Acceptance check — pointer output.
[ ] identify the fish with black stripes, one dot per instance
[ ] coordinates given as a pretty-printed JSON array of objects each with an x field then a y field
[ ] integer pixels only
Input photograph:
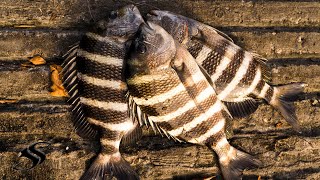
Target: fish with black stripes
[
  {"x": 239, "y": 77},
  {"x": 93, "y": 75},
  {"x": 168, "y": 86}
]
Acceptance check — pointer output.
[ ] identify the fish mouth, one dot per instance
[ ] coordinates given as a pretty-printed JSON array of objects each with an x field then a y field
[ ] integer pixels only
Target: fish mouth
[{"x": 147, "y": 28}]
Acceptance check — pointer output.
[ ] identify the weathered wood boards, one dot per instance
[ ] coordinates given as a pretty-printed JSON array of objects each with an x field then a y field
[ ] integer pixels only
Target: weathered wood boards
[{"x": 285, "y": 32}]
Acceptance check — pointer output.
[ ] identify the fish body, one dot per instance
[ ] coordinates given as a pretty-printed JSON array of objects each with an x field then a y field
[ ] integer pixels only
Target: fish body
[
  {"x": 93, "y": 74},
  {"x": 166, "y": 83},
  {"x": 238, "y": 76}
]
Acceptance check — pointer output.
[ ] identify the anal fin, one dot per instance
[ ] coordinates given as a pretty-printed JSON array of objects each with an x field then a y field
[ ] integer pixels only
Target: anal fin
[
  {"x": 242, "y": 108},
  {"x": 70, "y": 82}
]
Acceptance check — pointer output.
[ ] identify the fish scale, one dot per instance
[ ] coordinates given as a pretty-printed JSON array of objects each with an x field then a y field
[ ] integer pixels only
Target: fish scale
[{"x": 93, "y": 75}]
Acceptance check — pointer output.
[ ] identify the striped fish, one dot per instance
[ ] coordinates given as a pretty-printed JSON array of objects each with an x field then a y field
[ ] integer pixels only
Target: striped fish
[
  {"x": 93, "y": 75},
  {"x": 166, "y": 83},
  {"x": 238, "y": 76}
]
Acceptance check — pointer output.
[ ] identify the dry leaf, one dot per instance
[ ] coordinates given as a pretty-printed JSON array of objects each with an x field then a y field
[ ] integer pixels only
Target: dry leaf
[
  {"x": 57, "y": 88},
  {"x": 37, "y": 60},
  {"x": 259, "y": 178}
]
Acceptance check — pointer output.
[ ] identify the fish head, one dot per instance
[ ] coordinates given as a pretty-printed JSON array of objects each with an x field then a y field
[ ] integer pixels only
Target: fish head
[
  {"x": 152, "y": 50},
  {"x": 174, "y": 24},
  {"x": 122, "y": 23}
]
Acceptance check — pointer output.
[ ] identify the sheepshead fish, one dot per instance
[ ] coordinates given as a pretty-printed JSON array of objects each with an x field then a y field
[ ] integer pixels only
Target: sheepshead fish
[
  {"x": 93, "y": 75},
  {"x": 238, "y": 76},
  {"x": 166, "y": 83}
]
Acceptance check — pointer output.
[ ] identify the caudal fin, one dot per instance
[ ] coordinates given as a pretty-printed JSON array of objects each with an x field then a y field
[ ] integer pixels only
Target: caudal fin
[
  {"x": 282, "y": 100},
  {"x": 107, "y": 167},
  {"x": 232, "y": 169}
]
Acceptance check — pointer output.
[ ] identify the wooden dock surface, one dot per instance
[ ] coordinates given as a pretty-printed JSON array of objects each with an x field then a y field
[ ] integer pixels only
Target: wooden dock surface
[{"x": 285, "y": 32}]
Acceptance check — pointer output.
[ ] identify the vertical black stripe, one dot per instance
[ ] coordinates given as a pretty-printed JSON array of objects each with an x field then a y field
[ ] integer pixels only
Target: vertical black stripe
[
  {"x": 205, "y": 126},
  {"x": 215, "y": 56},
  {"x": 194, "y": 47},
  {"x": 181, "y": 120},
  {"x": 101, "y": 93},
  {"x": 259, "y": 87},
  {"x": 152, "y": 88},
  {"x": 103, "y": 115},
  {"x": 250, "y": 74},
  {"x": 101, "y": 47},
  {"x": 98, "y": 70},
  {"x": 269, "y": 94},
  {"x": 233, "y": 67}
]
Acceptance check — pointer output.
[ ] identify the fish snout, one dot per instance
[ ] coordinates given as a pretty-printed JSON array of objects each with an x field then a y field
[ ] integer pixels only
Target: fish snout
[{"x": 147, "y": 28}]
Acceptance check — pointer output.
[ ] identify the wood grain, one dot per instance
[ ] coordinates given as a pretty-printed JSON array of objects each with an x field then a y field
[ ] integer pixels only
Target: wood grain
[{"x": 285, "y": 32}]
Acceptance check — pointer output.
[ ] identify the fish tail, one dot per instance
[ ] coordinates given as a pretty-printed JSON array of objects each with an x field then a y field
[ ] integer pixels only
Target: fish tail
[
  {"x": 232, "y": 166},
  {"x": 107, "y": 166},
  {"x": 282, "y": 99}
]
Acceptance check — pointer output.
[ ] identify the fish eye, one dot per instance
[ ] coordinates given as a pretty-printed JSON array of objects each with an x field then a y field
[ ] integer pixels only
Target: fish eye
[
  {"x": 141, "y": 48},
  {"x": 113, "y": 14}
]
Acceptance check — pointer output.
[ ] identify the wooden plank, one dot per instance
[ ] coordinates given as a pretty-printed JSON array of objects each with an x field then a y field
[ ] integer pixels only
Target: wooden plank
[
  {"x": 21, "y": 44},
  {"x": 79, "y": 13},
  {"x": 284, "y": 31},
  {"x": 19, "y": 83},
  {"x": 309, "y": 74},
  {"x": 156, "y": 158},
  {"x": 33, "y": 84},
  {"x": 277, "y": 146},
  {"x": 32, "y": 119}
]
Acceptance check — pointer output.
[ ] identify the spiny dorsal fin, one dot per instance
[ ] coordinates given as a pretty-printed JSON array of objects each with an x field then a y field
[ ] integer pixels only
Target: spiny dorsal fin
[
  {"x": 70, "y": 81},
  {"x": 242, "y": 108},
  {"x": 207, "y": 31},
  {"x": 265, "y": 68}
]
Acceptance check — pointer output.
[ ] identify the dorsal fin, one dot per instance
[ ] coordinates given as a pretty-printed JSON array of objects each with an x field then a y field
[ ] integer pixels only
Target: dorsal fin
[
  {"x": 265, "y": 69},
  {"x": 70, "y": 83}
]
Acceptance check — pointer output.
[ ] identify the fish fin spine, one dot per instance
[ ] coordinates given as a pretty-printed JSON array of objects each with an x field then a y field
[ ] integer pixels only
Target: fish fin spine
[
  {"x": 242, "y": 108},
  {"x": 70, "y": 82},
  {"x": 107, "y": 166}
]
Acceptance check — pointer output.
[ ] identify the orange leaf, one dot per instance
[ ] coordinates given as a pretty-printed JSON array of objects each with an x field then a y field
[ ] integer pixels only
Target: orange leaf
[
  {"x": 57, "y": 88},
  {"x": 37, "y": 60}
]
